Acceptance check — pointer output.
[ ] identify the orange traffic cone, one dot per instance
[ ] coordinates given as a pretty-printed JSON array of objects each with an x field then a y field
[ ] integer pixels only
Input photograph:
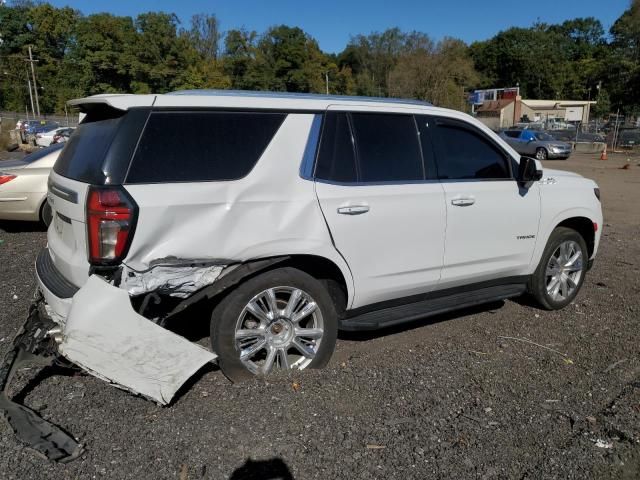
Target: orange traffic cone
[{"x": 603, "y": 155}]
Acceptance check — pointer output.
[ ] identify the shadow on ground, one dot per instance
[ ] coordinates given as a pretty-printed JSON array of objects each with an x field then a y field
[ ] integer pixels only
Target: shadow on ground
[
  {"x": 15, "y": 226},
  {"x": 272, "y": 469}
]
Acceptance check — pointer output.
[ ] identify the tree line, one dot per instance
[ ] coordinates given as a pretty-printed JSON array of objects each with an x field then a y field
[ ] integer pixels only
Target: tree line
[{"x": 79, "y": 55}]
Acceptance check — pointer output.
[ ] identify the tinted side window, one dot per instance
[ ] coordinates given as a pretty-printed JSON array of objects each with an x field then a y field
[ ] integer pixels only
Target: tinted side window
[
  {"x": 201, "y": 146},
  {"x": 465, "y": 154},
  {"x": 512, "y": 134},
  {"x": 83, "y": 155},
  {"x": 336, "y": 158},
  {"x": 387, "y": 147}
]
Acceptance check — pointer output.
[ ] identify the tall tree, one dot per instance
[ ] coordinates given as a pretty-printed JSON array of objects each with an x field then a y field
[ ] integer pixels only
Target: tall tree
[
  {"x": 623, "y": 64},
  {"x": 205, "y": 35},
  {"x": 437, "y": 73}
]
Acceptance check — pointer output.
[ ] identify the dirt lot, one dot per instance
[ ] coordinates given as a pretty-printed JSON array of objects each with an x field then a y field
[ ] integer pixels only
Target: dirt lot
[{"x": 449, "y": 397}]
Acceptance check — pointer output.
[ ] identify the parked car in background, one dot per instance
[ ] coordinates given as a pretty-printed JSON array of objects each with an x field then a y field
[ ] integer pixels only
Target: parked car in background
[
  {"x": 629, "y": 138},
  {"x": 63, "y": 135},
  {"x": 530, "y": 125},
  {"x": 538, "y": 144},
  {"x": 23, "y": 186},
  {"x": 44, "y": 139},
  {"x": 558, "y": 124},
  {"x": 38, "y": 126}
]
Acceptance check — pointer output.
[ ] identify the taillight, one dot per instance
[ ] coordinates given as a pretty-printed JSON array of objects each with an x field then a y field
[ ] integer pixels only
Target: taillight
[
  {"x": 111, "y": 219},
  {"x": 5, "y": 177}
]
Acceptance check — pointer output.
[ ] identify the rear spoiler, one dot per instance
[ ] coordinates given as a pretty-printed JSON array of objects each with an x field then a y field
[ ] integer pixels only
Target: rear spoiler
[{"x": 117, "y": 101}]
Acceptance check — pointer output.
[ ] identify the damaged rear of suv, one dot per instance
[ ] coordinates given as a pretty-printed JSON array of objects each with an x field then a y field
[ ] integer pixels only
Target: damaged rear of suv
[{"x": 160, "y": 207}]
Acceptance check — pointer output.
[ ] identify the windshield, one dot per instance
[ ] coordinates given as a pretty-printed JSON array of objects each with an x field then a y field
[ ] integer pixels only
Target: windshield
[
  {"x": 37, "y": 155},
  {"x": 543, "y": 136}
]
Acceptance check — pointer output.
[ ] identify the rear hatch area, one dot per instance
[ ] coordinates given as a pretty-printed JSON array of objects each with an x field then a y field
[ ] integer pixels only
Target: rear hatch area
[{"x": 97, "y": 154}]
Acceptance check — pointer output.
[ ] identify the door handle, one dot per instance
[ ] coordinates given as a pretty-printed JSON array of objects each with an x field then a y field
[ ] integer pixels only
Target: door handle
[
  {"x": 353, "y": 210},
  {"x": 463, "y": 202}
]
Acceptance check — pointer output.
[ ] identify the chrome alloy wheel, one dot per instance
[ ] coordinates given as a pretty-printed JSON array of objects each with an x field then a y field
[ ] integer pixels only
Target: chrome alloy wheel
[
  {"x": 564, "y": 271},
  {"x": 541, "y": 154},
  {"x": 280, "y": 327}
]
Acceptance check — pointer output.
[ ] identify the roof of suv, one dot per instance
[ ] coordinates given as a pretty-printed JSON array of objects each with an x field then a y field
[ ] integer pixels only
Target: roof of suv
[{"x": 240, "y": 99}]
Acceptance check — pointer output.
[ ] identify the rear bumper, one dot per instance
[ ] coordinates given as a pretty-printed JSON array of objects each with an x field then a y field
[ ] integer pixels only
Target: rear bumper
[
  {"x": 56, "y": 289},
  {"x": 102, "y": 333}
]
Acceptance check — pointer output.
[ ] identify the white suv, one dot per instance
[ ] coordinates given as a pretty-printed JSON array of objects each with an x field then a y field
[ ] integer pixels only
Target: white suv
[{"x": 287, "y": 218}]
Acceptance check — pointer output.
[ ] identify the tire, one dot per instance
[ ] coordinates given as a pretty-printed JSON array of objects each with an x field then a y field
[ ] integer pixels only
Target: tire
[
  {"x": 550, "y": 285},
  {"x": 46, "y": 215},
  {"x": 235, "y": 313},
  {"x": 541, "y": 153}
]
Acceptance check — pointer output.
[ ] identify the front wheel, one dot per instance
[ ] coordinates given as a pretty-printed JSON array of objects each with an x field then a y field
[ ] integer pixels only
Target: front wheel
[
  {"x": 541, "y": 153},
  {"x": 561, "y": 271},
  {"x": 281, "y": 319}
]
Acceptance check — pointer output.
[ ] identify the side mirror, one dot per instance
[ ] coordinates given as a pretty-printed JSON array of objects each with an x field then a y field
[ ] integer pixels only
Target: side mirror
[{"x": 528, "y": 171}]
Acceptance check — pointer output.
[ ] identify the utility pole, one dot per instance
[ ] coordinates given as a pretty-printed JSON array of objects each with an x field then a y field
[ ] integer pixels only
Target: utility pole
[
  {"x": 326, "y": 78},
  {"x": 31, "y": 97},
  {"x": 33, "y": 73}
]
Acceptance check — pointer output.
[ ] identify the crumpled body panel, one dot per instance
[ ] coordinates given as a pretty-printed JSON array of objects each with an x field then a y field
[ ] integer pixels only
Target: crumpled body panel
[
  {"x": 106, "y": 337},
  {"x": 173, "y": 280}
]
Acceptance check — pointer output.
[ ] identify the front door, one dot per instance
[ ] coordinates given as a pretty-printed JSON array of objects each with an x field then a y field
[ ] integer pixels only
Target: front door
[{"x": 492, "y": 222}]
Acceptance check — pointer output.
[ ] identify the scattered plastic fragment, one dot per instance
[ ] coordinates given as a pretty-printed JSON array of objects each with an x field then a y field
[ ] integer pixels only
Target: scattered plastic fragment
[{"x": 603, "y": 443}]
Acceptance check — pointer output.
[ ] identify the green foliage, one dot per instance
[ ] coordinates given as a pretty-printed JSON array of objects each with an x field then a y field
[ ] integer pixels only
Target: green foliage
[
  {"x": 152, "y": 53},
  {"x": 434, "y": 72}
]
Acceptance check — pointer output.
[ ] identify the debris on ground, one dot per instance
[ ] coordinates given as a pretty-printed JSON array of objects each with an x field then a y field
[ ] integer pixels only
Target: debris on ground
[{"x": 603, "y": 443}]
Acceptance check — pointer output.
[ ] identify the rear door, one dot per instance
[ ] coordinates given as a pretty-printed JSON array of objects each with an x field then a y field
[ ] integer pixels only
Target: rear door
[
  {"x": 385, "y": 212},
  {"x": 492, "y": 221}
]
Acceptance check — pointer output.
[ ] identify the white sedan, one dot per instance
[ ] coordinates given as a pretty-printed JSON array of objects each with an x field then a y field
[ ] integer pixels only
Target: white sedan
[
  {"x": 44, "y": 139},
  {"x": 23, "y": 186}
]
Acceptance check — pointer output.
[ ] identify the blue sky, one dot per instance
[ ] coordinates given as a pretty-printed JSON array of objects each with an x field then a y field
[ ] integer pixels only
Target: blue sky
[{"x": 332, "y": 22}]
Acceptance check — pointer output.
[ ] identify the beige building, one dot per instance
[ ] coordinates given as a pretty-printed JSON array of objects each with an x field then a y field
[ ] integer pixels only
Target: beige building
[{"x": 505, "y": 113}]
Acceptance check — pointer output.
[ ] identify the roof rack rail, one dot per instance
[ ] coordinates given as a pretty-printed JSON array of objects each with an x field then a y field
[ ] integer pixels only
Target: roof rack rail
[{"x": 301, "y": 96}]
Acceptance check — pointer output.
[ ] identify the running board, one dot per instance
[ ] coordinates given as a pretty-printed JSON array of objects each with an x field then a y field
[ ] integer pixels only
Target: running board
[{"x": 388, "y": 317}]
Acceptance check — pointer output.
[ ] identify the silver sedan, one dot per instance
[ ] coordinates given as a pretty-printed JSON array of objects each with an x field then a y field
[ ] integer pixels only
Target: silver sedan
[
  {"x": 23, "y": 186},
  {"x": 536, "y": 144}
]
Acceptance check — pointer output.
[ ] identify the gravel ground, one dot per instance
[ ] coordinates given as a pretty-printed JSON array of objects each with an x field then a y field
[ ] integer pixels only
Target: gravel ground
[{"x": 447, "y": 397}]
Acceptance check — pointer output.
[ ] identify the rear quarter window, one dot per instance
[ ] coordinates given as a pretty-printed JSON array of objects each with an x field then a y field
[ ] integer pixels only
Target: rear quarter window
[
  {"x": 202, "y": 146},
  {"x": 84, "y": 153}
]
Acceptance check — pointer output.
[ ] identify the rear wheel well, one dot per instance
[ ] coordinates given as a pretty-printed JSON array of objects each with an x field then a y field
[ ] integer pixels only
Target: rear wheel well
[
  {"x": 324, "y": 270},
  {"x": 584, "y": 227}
]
